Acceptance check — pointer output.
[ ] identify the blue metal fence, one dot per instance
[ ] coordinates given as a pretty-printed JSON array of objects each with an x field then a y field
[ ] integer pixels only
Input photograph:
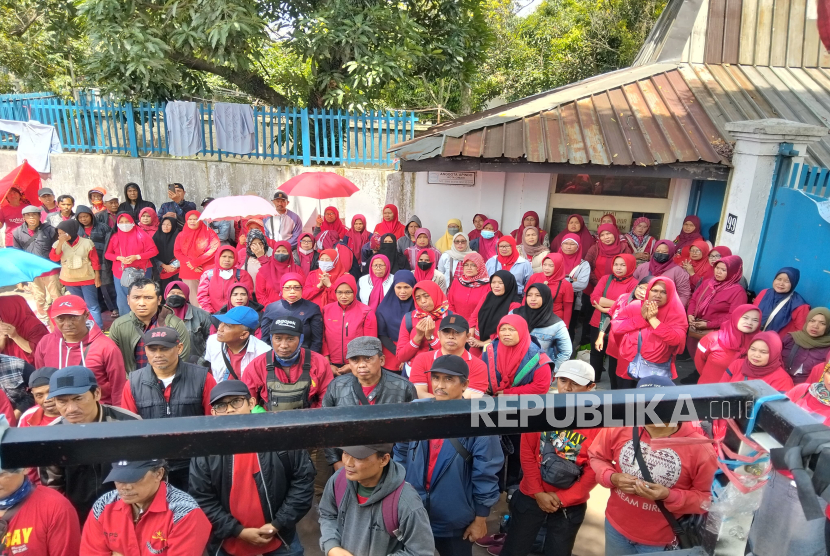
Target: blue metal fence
[{"x": 296, "y": 135}]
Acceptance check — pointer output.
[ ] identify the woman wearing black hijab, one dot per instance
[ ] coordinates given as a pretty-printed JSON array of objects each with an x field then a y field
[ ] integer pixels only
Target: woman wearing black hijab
[
  {"x": 396, "y": 258},
  {"x": 503, "y": 298},
  {"x": 133, "y": 201},
  {"x": 166, "y": 267},
  {"x": 548, "y": 329}
]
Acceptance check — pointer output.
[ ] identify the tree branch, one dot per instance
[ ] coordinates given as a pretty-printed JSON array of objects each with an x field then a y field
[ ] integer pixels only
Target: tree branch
[
  {"x": 247, "y": 81},
  {"x": 19, "y": 32}
]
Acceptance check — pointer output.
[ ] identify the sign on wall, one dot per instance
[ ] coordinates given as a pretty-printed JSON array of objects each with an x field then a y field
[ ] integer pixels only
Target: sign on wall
[
  {"x": 452, "y": 178},
  {"x": 731, "y": 223},
  {"x": 623, "y": 219}
]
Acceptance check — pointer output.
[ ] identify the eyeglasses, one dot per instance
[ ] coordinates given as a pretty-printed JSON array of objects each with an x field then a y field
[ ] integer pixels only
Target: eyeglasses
[
  {"x": 292, "y": 288},
  {"x": 236, "y": 403},
  {"x": 470, "y": 265}
]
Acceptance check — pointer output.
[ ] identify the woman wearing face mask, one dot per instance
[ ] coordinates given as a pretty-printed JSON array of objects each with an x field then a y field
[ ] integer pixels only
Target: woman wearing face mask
[
  {"x": 419, "y": 331},
  {"x": 783, "y": 310},
  {"x": 695, "y": 261},
  {"x": 715, "y": 300},
  {"x": 390, "y": 223},
  {"x": 214, "y": 283},
  {"x": 502, "y": 298},
  {"x": 80, "y": 269},
  {"x": 195, "y": 249},
  {"x": 576, "y": 225},
  {"x": 134, "y": 201},
  {"x": 530, "y": 219},
  {"x": 805, "y": 349},
  {"x": 397, "y": 302},
  {"x": 95, "y": 196},
  {"x": 608, "y": 341},
  {"x": 532, "y": 249},
  {"x": 554, "y": 276},
  {"x": 762, "y": 361},
  {"x": 197, "y": 321},
  {"x": 166, "y": 264},
  {"x": 662, "y": 263},
  {"x": 450, "y": 263},
  {"x": 272, "y": 269},
  {"x": 305, "y": 257},
  {"x": 292, "y": 304},
  {"x": 129, "y": 247},
  {"x": 689, "y": 233},
  {"x": 641, "y": 244},
  {"x": 719, "y": 348},
  {"x": 478, "y": 225},
  {"x": 609, "y": 288},
  {"x": 373, "y": 286},
  {"x": 423, "y": 240},
  {"x": 343, "y": 321},
  {"x": 488, "y": 244},
  {"x": 425, "y": 269},
  {"x": 510, "y": 259},
  {"x": 650, "y": 334},
  {"x": 408, "y": 239},
  {"x": 544, "y": 325},
  {"x": 318, "y": 285},
  {"x": 444, "y": 243},
  {"x": 467, "y": 292}
]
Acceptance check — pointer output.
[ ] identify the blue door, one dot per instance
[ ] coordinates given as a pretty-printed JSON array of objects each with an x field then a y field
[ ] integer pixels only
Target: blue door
[{"x": 706, "y": 202}]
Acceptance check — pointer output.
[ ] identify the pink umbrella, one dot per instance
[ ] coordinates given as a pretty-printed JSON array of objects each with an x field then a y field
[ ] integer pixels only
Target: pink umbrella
[
  {"x": 238, "y": 207},
  {"x": 319, "y": 185}
]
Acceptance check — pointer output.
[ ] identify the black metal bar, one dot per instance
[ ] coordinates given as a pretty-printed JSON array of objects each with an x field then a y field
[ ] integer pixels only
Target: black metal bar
[{"x": 343, "y": 426}]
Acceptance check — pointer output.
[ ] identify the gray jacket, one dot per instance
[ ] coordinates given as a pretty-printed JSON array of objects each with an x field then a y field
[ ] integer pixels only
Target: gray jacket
[
  {"x": 359, "y": 528},
  {"x": 39, "y": 244},
  {"x": 341, "y": 391},
  {"x": 197, "y": 322}
]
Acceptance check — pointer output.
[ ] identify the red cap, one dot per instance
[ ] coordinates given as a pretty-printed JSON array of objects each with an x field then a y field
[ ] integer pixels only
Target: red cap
[{"x": 68, "y": 305}]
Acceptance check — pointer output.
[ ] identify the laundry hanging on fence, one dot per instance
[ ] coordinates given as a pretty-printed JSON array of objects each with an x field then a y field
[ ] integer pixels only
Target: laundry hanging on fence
[
  {"x": 234, "y": 124},
  {"x": 37, "y": 141},
  {"x": 184, "y": 128}
]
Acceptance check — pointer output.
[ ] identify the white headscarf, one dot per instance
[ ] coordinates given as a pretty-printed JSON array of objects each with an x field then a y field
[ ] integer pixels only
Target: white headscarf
[{"x": 454, "y": 253}]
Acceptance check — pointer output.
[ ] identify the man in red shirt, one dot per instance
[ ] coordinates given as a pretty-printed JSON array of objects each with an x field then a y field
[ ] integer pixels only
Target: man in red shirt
[
  {"x": 452, "y": 333},
  {"x": 11, "y": 213},
  {"x": 144, "y": 515},
  {"x": 48, "y": 203},
  {"x": 44, "y": 411},
  {"x": 41, "y": 522},
  {"x": 289, "y": 377}
]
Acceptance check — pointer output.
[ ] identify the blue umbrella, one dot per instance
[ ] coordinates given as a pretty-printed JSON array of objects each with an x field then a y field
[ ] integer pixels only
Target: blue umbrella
[{"x": 19, "y": 266}]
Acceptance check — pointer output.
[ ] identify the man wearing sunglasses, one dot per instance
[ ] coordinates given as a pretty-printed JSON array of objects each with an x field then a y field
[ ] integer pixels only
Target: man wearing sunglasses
[{"x": 253, "y": 501}]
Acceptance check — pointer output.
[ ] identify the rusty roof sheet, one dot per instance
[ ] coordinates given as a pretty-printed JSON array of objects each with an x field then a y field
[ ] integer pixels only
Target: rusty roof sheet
[{"x": 640, "y": 116}]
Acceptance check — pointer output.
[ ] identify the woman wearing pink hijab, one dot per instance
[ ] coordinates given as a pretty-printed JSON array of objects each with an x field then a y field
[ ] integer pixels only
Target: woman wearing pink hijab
[
  {"x": 719, "y": 348},
  {"x": 715, "y": 300},
  {"x": 688, "y": 233}
]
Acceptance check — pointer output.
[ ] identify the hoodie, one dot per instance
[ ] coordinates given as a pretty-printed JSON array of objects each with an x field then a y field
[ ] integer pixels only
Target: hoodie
[
  {"x": 213, "y": 289},
  {"x": 95, "y": 352},
  {"x": 405, "y": 242},
  {"x": 359, "y": 528},
  {"x": 344, "y": 324},
  {"x": 140, "y": 203}
]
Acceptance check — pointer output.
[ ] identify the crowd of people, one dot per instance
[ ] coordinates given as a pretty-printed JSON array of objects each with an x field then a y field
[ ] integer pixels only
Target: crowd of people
[{"x": 155, "y": 313}]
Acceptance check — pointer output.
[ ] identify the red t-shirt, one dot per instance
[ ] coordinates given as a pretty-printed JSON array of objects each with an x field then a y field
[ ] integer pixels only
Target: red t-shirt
[
  {"x": 366, "y": 391},
  {"x": 362, "y": 499},
  {"x": 246, "y": 507},
  {"x": 35, "y": 417},
  {"x": 434, "y": 449},
  {"x": 236, "y": 361},
  {"x": 422, "y": 363},
  {"x": 46, "y": 524}
]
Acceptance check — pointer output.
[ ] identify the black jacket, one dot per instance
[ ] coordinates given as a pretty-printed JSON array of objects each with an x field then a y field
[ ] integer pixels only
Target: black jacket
[
  {"x": 39, "y": 244},
  {"x": 99, "y": 235},
  {"x": 285, "y": 486},
  {"x": 140, "y": 203}
]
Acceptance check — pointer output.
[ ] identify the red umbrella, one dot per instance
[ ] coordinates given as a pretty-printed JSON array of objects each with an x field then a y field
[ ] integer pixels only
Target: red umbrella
[
  {"x": 25, "y": 179},
  {"x": 319, "y": 185}
]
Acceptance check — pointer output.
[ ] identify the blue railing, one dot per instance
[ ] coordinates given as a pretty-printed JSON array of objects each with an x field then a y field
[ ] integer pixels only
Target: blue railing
[
  {"x": 813, "y": 180},
  {"x": 295, "y": 135}
]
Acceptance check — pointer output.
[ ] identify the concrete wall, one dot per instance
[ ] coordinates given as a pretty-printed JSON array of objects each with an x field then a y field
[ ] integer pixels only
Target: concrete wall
[{"x": 75, "y": 174}]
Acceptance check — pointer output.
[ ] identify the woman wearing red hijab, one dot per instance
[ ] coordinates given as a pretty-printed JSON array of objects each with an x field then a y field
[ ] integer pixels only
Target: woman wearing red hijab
[
  {"x": 129, "y": 246},
  {"x": 662, "y": 263},
  {"x": 330, "y": 230},
  {"x": 715, "y": 300},
  {"x": 578, "y": 273},
  {"x": 576, "y": 225},
  {"x": 609, "y": 288},
  {"x": 357, "y": 236},
  {"x": 762, "y": 361},
  {"x": 425, "y": 268},
  {"x": 319, "y": 284},
  {"x": 508, "y": 258},
  {"x": 390, "y": 223},
  {"x": 421, "y": 333},
  {"x": 515, "y": 364},
  {"x": 344, "y": 320},
  {"x": 20, "y": 329},
  {"x": 695, "y": 261},
  {"x": 148, "y": 220},
  {"x": 272, "y": 269},
  {"x": 719, "y": 348},
  {"x": 373, "y": 286},
  {"x": 214, "y": 283},
  {"x": 554, "y": 276},
  {"x": 531, "y": 218},
  {"x": 658, "y": 325},
  {"x": 471, "y": 287},
  {"x": 601, "y": 255},
  {"x": 195, "y": 249},
  {"x": 478, "y": 224},
  {"x": 689, "y": 233}
]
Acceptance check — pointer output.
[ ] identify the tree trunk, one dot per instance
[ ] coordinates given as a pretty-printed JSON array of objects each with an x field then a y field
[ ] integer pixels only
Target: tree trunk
[{"x": 466, "y": 107}]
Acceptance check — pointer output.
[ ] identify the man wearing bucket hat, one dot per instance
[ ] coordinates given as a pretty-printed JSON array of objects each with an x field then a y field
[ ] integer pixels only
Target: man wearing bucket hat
[{"x": 144, "y": 515}]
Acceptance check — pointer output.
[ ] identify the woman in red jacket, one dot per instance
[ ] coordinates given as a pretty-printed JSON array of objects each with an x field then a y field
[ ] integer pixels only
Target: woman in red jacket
[
  {"x": 195, "y": 249},
  {"x": 609, "y": 288},
  {"x": 719, "y": 348},
  {"x": 695, "y": 260},
  {"x": 421, "y": 333},
  {"x": 601, "y": 255},
  {"x": 554, "y": 275},
  {"x": 715, "y": 300},
  {"x": 654, "y": 329},
  {"x": 609, "y": 340},
  {"x": 319, "y": 284},
  {"x": 344, "y": 320},
  {"x": 471, "y": 287},
  {"x": 214, "y": 283},
  {"x": 271, "y": 270},
  {"x": 762, "y": 361},
  {"x": 129, "y": 247}
]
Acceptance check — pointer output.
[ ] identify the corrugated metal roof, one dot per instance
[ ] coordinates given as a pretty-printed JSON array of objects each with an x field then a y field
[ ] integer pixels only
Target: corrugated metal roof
[{"x": 642, "y": 116}]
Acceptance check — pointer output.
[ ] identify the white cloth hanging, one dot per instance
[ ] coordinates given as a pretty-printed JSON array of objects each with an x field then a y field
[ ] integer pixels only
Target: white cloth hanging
[
  {"x": 37, "y": 141},
  {"x": 234, "y": 125},
  {"x": 184, "y": 128}
]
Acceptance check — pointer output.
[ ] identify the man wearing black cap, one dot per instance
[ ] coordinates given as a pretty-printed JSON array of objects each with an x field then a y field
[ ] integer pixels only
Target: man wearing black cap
[
  {"x": 286, "y": 225},
  {"x": 176, "y": 207},
  {"x": 248, "y": 519},
  {"x": 290, "y": 376},
  {"x": 44, "y": 411},
  {"x": 47, "y": 201},
  {"x": 359, "y": 499},
  {"x": 168, "y": 387},
  {"x": 77, "y": 396},
  {"x": 144, "y": 515},
  {"x": 466, "y": 483},
  {"x": 367, "y": 384},
  {"x": 452, "y": 333}
]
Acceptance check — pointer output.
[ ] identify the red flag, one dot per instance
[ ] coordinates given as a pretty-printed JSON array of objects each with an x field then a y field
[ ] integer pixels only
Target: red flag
[
  {"x": 824, "y": 22},
  {"x": 25, "y": 179}
]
